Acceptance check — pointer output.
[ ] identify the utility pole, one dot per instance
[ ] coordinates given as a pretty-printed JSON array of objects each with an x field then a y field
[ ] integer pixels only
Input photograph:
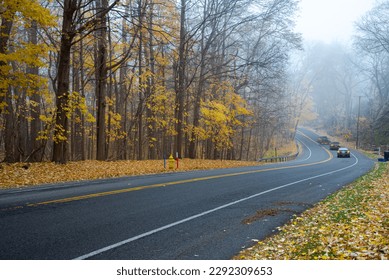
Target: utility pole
[{"x": 359, "y": 113}]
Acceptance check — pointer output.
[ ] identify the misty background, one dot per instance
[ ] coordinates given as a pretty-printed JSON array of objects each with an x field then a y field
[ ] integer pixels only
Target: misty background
[{"x": 344, "y": 68}]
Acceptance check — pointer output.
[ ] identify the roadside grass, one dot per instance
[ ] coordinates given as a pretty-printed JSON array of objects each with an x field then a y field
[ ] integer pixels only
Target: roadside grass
[{"x": 352, "y": 223}]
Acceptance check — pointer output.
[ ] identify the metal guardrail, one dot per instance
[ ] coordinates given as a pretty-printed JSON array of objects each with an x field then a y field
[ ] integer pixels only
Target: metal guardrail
[{"x": 281, "y": 158}]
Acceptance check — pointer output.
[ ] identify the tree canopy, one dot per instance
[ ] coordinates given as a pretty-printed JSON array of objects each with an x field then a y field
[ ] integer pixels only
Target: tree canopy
[{"x": 137, "y": 79}]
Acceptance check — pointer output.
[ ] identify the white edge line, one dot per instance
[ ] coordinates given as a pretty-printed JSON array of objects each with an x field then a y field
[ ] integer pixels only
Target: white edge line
[
  {"x": 129, "y": 240},
  {"x": 310, "y": 151}
]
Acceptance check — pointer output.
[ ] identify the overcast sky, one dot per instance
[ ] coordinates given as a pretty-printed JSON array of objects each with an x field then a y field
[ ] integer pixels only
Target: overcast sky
[{"x": 330, "y": 20}]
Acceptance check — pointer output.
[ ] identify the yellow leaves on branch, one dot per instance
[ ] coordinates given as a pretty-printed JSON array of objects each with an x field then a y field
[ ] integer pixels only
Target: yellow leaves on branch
[
  {"x": 25, "y": 12},
  {"x": 74, "y": 108},
  {"x": 114, "y": 131},
  {"x": 20, "y": 53},
  {"x": 162, "y": 106},
  {"x": 351, "y": 224},
  {"x": 27, "y": 53},
  {"x": 223, "y": 115},
  {"x": 76, "y": 102},
  {"x": 28, "y": 10},
  {"x": 59, "y": 134}
]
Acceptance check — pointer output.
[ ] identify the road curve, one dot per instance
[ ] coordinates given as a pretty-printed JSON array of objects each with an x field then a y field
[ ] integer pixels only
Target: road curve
[{"x": 190, "y": 215}]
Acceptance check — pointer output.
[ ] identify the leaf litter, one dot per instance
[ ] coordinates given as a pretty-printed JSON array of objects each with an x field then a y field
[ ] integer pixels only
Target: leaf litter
[
  {"x": 29, "y": 174},
  {"x": 351, "y": 224}
]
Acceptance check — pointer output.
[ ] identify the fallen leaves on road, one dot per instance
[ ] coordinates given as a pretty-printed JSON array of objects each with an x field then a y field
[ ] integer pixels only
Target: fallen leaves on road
[
  {"x": 350, "y": 224},
  {"x": 23, "y": 174}
]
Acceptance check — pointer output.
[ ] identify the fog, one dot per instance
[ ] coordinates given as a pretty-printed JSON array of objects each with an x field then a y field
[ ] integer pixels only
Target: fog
[
  {"x": 348, "y": 79},
  {"x": 330, "y": 20}
]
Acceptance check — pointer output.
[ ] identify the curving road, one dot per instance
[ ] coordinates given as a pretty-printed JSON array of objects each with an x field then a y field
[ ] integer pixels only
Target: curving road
[{"x": 191, "y": 215}]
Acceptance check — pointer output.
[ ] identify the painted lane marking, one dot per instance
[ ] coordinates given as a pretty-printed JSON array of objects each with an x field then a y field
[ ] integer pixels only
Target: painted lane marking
[
  {"x": 309, "y": 150},
  {"x": 94, "y": 195},
  {"x": 134, "y": 238},
  {"x": 126, "y": 190},
  {"x": 132, "y": 189}
]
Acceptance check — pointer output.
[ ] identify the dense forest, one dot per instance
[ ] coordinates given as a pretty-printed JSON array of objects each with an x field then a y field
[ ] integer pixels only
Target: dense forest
[
  {"x": 213, "y": 79},
  {"x": 140, "y": 79}
]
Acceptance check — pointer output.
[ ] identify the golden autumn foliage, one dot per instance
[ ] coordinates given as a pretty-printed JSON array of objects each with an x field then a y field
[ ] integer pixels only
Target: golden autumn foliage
[
  {"x": 221, "y": 116},
  {"x": 350, "y": 224},
  {"x": 141, "y": 54},
  {"x": 23, "y": 13},
  {"x": 27, "y": 10}
]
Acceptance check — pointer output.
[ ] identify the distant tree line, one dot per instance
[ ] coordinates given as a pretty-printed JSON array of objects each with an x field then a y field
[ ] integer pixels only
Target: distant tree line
[
  {"x": 140, "y": 79},
  {"x": 372, "y": 45},
  {"x": 349, "y": 85}
]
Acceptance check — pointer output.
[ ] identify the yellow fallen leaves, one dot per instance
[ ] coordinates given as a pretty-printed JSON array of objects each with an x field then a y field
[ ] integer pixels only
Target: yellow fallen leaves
[
  {"x": 22, "y": 174},
  {"x": 351, "y": 224}
]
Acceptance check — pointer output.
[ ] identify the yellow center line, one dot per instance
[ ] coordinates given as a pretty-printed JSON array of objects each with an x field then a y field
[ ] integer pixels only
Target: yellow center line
[{"x": 100, "y": 194}]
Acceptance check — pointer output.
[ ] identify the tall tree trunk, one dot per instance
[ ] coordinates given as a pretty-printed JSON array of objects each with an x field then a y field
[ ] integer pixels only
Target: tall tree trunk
[
  {"x": 78, "y": 137},
  {"x": 151, "y": 133},
  {"x": 62, "y": 95},
  {"x": 101, "y": 78},
  {"x": 6, "y": 27},
  {"x": 23, "y": 131},
  {"x": 199, "y": 93},
  {"x": 181, "y": 88},
  {"x": 83, "y": 140},
  {"x": 121, "y": 100},
  {"x": 10, "y": 135},
  {"x": 6, "y": 92},
  {"x": 140, "y": 82},
  {"x": 36, "y": 152}
]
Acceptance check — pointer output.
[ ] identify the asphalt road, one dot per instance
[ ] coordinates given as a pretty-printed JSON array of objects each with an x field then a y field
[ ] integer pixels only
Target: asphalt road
[{"x": 190, "y": 215}]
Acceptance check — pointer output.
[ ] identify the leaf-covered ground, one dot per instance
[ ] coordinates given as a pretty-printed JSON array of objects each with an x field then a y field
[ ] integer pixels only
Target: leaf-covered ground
[
  {"x": 29, "y": 174},
  {"x": 350, "y": 224},
  {"x": 24, "y": 174}
]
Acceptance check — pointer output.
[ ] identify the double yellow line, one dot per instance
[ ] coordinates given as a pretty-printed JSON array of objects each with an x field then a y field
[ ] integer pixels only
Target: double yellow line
[
  {"x": 132, "y": 189},
  {"x": 87, "y": 196}
]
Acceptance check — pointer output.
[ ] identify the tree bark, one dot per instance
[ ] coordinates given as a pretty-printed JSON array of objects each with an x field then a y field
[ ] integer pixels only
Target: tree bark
[
  {"x": 62, "y": 95},
  {"x": 181, "y": 88},
  {"x": 5, "y": 94},
  {"x": 36, "y": 151},
  {"x": 140, "y": 83},
  {"x": 101, "y": 78},
  {"x": 151, "y": 133}
]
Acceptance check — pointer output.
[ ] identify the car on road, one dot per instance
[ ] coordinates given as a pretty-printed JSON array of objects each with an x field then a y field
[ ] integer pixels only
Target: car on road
[
  {"x": 334, "y": 145},
  {"x": 323, "y": 140},
  {"x": 343, "y": 153}
]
